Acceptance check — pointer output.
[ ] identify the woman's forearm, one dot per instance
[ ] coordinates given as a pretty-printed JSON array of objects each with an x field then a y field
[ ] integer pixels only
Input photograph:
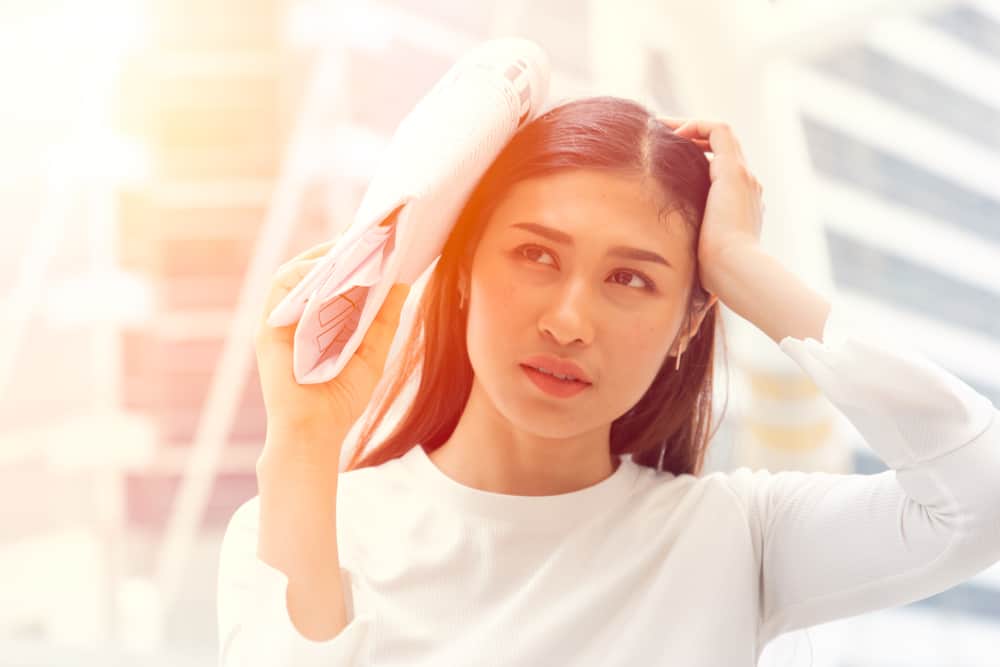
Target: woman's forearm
[
  {"x": 298, "y": 532},
  {"x": 760, "y": 289}
]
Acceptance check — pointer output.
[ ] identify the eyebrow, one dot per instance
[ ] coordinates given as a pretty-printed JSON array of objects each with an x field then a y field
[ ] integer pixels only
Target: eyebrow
[{"x": 615, "y": 251}]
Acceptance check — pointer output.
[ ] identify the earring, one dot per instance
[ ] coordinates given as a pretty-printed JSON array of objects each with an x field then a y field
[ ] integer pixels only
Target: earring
[{"x": 677, "y": 366}]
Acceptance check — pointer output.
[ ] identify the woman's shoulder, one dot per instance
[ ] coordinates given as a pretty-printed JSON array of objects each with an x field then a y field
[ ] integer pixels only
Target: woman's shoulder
[
  {"x": 354, "y": 487},
  {"x": 664, "y": 486}
]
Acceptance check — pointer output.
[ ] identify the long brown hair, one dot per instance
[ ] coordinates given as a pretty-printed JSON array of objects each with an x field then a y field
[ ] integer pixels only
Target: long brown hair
[{"x": 668, "y": 428}]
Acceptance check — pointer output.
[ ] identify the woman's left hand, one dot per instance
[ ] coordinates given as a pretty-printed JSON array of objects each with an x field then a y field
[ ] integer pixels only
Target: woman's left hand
[{"x": 734, "y": 208}]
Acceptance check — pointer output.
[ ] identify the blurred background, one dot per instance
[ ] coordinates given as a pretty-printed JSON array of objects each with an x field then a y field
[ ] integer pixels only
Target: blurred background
[{"x": 162, "y": 157}]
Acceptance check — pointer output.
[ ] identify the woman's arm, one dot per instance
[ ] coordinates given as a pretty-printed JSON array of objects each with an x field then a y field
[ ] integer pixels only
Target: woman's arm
[
  {"x": 298, "y": 535},
  {"x": 281, "y": 588},
  {"x": 761, "y": 290},
  {"x": 831, "y": 545}
]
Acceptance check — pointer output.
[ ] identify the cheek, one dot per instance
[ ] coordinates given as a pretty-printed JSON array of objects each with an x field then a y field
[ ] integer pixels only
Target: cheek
[
  {"x": 491, "y": 314},
  {"x": 495, "y": 291},
  {"x": 501, "y": 292},
  {"x": 640, "y": 337},
  {"x": 640, "y": 347}
]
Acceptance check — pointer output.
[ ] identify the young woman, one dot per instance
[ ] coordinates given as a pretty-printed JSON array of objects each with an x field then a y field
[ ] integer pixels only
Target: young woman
[{"x": 516, "y": 518}]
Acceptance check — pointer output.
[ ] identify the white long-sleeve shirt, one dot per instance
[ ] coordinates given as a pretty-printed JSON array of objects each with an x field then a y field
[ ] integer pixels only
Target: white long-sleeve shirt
[{"x": 646, "y": 567}]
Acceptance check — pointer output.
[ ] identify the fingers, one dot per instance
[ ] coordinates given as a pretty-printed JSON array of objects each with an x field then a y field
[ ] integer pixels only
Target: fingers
[
  {"x": 291, "y": 273},
  {"x": 314, "y": 252},
  {"x": 710, "y": 136},
  {"x": 284, "y": 281},
  {"x": 374, "y": 349},
  {"x": 718, "y": 138},
  {"x": 393, "y": 305},
  {"x": 675, "y": 123},
  {"x": 719, "y": 135}
]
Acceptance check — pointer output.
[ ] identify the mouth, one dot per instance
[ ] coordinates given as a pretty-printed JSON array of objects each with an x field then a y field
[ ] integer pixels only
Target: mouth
[
  {"x": 558, "y": 367},
  {"x": 567, "y": 380}
]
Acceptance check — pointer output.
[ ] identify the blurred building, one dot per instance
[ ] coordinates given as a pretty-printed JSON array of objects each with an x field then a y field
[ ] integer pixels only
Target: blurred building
[
  {"x": 210, "y": 99},
  {"x": 902, "y": 137}
]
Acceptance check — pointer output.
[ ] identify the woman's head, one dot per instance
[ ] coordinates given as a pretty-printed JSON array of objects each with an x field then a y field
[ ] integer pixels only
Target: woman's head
[{"x": 532, "y": 253}]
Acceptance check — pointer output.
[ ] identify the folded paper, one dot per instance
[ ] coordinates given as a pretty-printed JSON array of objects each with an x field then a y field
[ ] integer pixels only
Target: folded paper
[{"x": 434, "y": 159}]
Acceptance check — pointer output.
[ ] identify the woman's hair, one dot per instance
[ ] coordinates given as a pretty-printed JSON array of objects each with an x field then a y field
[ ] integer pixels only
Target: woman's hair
[{"x": 668, "y": 428}]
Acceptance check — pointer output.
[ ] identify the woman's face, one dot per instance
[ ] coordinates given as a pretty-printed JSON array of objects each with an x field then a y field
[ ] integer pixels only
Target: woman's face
[{"x": 547, "y": 280}]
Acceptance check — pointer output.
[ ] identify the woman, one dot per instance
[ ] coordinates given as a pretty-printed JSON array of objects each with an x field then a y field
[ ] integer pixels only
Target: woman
[{"x": 514, "y": 518}]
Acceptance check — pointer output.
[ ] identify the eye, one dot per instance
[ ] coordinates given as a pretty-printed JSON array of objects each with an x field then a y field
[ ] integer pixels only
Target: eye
[
  {"x": 529, "y": 247},
  {"x": 632, "y": 273},
  {"x": 649, "y": 285}
]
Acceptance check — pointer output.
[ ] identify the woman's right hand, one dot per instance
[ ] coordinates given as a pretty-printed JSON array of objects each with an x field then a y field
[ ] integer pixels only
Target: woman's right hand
[{"x": 328, "y": 407}]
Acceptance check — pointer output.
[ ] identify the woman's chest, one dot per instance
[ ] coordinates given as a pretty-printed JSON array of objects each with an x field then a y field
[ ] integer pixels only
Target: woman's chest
[{"x": 602, "y": 594}]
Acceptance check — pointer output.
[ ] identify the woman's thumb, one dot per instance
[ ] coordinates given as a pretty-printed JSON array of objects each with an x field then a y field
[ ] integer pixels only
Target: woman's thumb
[{"x": 397, "y": 297}]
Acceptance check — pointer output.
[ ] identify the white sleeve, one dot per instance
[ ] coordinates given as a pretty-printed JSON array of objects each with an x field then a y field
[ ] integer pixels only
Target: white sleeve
[
  {"x": 254, "y": 626},
  {"x": 834, "y": 545}
]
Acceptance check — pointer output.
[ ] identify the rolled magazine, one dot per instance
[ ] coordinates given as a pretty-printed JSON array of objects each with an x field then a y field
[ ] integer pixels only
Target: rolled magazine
[{"x": 435, "y": 157}]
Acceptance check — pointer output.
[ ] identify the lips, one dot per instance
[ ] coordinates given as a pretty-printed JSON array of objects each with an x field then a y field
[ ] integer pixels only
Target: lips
[
  {"x": 557, "y": 365},
  {"x": 553, "y": 386}
]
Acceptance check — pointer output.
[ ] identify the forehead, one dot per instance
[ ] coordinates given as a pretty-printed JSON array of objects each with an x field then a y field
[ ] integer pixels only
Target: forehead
[{"x": 589, "y": 203}]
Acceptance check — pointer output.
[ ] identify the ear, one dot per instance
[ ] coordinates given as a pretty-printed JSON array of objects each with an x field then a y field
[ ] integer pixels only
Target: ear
[{"x": 703, "y": 303}]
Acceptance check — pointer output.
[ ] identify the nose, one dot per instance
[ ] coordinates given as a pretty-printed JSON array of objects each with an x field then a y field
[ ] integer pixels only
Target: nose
[{"x": 567, "y": 318}]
